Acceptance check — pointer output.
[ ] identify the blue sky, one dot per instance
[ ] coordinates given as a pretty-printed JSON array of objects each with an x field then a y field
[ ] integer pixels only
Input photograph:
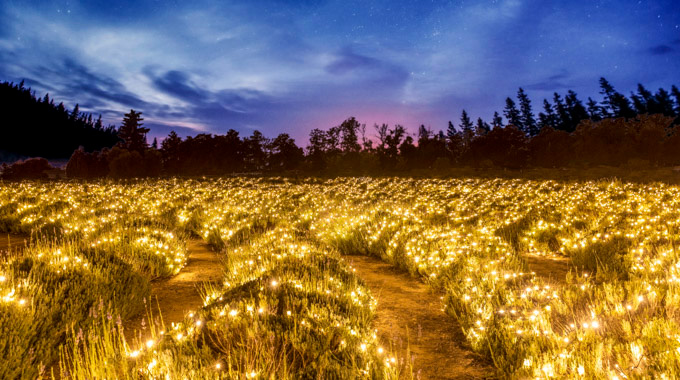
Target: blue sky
[{"x": 290, "y": 66}]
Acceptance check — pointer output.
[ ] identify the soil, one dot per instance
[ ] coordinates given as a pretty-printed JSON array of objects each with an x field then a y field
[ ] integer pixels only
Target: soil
[
  {"x": 10, "y": 243},
  {"x": 554, "y": 269},
  {"x": 412, "y": 325},
  {"x": 176, "y": 296}
]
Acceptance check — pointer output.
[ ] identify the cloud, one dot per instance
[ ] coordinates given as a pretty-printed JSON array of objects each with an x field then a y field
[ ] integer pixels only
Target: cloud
[
  {"x": 160, "y": 130},
  {"x": 362, "y": 69},
  {"x": 552, "y": 83},
  {"x": 178, "y": 84},
  {"x": 660, "y": 50},
  {"x": 348, "y": 61},
  {"x": 563, "y": 75},
  {"x": 230, "y": 108},
  {"x": 81, "y": 85},
  {"x": 285, "y": 65}
]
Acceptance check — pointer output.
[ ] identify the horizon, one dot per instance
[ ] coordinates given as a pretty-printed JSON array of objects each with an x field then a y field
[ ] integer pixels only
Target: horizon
[{"x": 281, "y": 66}]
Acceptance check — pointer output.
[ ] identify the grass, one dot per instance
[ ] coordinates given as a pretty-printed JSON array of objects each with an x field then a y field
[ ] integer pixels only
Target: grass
[{"x": 94, "y": 249}]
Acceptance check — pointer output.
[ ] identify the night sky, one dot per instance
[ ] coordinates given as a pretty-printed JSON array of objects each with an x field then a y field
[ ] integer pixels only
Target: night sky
[{"x": 290, "y": 66}]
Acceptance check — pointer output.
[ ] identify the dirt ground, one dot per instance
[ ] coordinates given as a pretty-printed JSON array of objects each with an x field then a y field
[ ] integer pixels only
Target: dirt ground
[
  {"x": 552, "y": 268},
  {"x": 179, "y": 294},
  {"x": 12, "y": 243},
  {"x": 411, "y": 321}
]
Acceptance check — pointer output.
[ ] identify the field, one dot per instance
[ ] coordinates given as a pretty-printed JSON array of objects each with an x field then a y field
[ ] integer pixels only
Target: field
[{"x": 540, "y": 279}]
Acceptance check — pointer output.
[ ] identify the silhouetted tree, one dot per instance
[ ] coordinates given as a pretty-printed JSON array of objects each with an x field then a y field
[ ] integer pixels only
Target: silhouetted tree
[
  {"x": 512, "y": 114},
  {"x": 317, "y": 148},
  {"x": 32, "y": 168},
  {"x": 547, "y": 118},
  {"x": 285, "y": 155},
  {"x": 497, "y": 120},
  {"x": 528, "y": 121},
  {"x": 551, "y": 148},
  {"x": 643, "y": 101},
  {"x": 132, "y": 133},
  {"x": 431, "y": 146},
  {"x": 349, "y": 141},
  {"x": 451, "y": 130},
  {"x": 408, "y": 153},
  {"x": 366, "y": 143},
  {"x": 562, "y": 118},
  {"x": 75, "y": 113},
  {"x": 575, "y": 109},
  {"x": 594, "y": 110},
  {"x": 390, "y": 140},
  {"x": 253, "y": 151},
  {"x": 230, "y": 149},
  {"x": 663, "y": 104},
  {"x": 87, "y": 165},
  {"x": 617, "y": 104},
  {"x": 482, "y": 127},
  {"x": 170, "y": 153},
  {"x": 466, "y": 126},
  {"x": 504, "y": 147},
  {"x": 34, "y": 126},
  {"x": 454, "y": 142},
  {"x": 676, "y": 95}
]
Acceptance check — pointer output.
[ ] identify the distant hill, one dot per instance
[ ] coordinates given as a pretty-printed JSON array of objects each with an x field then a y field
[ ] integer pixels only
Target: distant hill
[{"x": 35, "y": 127}]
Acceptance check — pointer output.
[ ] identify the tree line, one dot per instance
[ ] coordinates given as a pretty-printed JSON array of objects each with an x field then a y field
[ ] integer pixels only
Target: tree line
[
  {"x": 640, "y": 129},
  {"x": 36, "y": 126}
]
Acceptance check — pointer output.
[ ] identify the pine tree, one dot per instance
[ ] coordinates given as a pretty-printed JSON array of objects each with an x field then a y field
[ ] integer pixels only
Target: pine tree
[
  {"x": 543, "y": 120},
  {"x": 645, "y": 100},
  {"x": 526, "y": 114},
  {"x": 497, "y": 121},
  {"x": 466, "y": 126},
  {"x": 154, "y": 144},
  {"x": 465, "y": 123},
  {"x": 617, "y": 104},
  {"x": 546, "y": 120},
  {"x": 451, "y": 131},
  {"x": 676, "y": 95},
  {"x": 638, "y": 103},
  {"x": 549, "y": 117},
  {"x": 454, "y": 141},
  {"x": 562, "y": 119},
  {"x": 75, "y": 113},
  {"x": 663, "y": 103},
  {"x": 594, "y": 110},
  {"x": 424, "y": 134},
  {"x": 575, "y": 109},
  {"x": 132, "y": 133},
  {"x": 98, "y": 124},
  {"x": 512, "y": 114},
  {"x": 41, "y": 128},
  {"x": 482, "y": 127},
  {"x": 608, "y": 92},
  {"x": 170, "y": 148}
]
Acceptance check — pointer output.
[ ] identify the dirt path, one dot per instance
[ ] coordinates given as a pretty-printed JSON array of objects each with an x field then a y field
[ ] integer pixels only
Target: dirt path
[
  {"x": 410, "y": 316},
  {"x": 179, "y": 294},
  {"x": 12, "y": 243},
  {"x": 551, "y": 268}
]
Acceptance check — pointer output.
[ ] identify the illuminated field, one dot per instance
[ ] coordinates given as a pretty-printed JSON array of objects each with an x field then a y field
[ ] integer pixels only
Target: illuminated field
[{"x": 289, "y": 307}]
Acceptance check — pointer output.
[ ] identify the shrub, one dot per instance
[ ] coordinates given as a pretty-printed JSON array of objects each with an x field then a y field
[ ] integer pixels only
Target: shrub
[
  {"x": 32, "y": 168},
  {"x": 87, "y": 165},
  {"x": 607, "y": 259},
  {"x": 124, "y": 163}
]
